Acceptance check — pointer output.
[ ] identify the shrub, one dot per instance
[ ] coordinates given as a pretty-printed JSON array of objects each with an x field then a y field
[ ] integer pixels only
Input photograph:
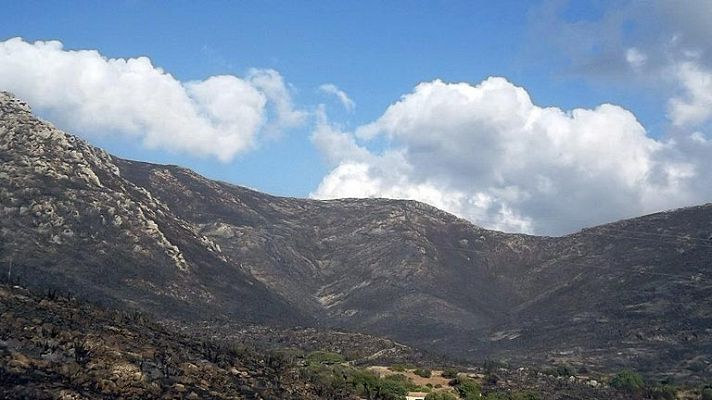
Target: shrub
[
  {"x": 390, "y": 390},
  {"x": 440, "y": 396},
  {"x": 628, "y": 381},
  {"x": 425, "y": 373},
  {"x": 662, "y": 392},
  {"x": 564, "y": 370},
  {"x": 449, "y": 373},
  {"x": 366, "y": 382},
  {"x": 467, "y": 388},
  {"x": 397, "y": 368},
  {"x": 494, "y": 365},
  {"x": 401, "y": 380},
  {"x": 81, "y": 352}
]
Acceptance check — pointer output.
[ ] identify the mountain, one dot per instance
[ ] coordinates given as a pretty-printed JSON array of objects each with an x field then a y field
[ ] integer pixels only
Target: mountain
[
  {"x": 70, "y": 221},
  {"x": 635, "y": 293}
]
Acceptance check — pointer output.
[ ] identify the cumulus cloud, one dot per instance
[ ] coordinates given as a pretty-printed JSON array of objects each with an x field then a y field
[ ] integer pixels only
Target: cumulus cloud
[
  {"x": 345, "y": 100},
  {"x": 695, "y": 105},
  {"x": 487, "y": 153},
  {"x": 86, "y": 92}
]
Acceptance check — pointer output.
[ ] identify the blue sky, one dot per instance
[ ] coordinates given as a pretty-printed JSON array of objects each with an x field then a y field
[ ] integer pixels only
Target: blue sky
[{"x": 376, "y": 52}]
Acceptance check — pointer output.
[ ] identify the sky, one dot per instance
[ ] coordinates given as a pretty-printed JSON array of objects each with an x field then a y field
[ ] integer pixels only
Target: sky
[{"x": 540, "y": 117}]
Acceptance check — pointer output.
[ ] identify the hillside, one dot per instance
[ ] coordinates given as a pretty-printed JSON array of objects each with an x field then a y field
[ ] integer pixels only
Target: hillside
[
  {"x": 55, "y": 347},
  {"x": 164, "y": 239}
]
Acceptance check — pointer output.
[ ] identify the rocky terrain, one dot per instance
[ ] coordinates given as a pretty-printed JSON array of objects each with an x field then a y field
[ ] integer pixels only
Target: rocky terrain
[
  {"x": 163, "y": 239},
  {"x": 52, "y": 347}
]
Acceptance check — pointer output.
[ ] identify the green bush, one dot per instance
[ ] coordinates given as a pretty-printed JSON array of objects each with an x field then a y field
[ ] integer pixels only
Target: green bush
[
  {"x": 440, "y": 396},
  {"x": 564, "y": 370},
  {"x": 425, "y": 373},
  {"x": 560, "y": 370},
  {"x": 628, "y": 381},
  {"x": 402, "y": 380},
  {"x": 449, "y": 373},
  {"x": 397, "y": 368},
  {"x": 366, "y": 383},
  {"x": 467, "y": 388},
  {"x": 391, "y": 390},
  {"x": 330, "y": 379}
]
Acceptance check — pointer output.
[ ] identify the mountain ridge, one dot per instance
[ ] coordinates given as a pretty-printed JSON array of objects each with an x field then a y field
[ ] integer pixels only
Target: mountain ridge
[{"x": 187, "y": 247}]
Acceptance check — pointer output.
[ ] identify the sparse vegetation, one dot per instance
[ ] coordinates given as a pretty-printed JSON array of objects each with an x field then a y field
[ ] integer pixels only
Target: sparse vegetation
[
  {"x": 661, "y": 392},
  {"x": 628, "y": 381}
]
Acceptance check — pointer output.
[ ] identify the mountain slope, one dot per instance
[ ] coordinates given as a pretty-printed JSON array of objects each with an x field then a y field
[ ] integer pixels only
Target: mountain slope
[
  {"x": 163, "y": 238},
  {"x": 69, "y": 220}
]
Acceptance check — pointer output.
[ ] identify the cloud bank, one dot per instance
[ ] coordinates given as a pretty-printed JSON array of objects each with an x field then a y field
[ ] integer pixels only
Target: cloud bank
[
  {"x": 487, "y": 153},
  {"x": 86, "y": 92}
]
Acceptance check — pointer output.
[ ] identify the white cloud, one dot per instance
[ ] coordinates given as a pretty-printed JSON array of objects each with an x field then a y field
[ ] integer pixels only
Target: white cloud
[
  {"x": 635, "y": 58},
  {"x": 345, "y": 100},
  {"x": 89, "y": 93},
  {"x": 487, "y": 153},
  {"x": 695, "y": 106}
]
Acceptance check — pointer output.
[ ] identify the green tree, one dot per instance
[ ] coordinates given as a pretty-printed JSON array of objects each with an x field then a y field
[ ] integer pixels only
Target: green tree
[
  {"x": 366, "y": 383},
  {"x": 390, "y": 390},
  {"x": 467, "y": 388}
]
